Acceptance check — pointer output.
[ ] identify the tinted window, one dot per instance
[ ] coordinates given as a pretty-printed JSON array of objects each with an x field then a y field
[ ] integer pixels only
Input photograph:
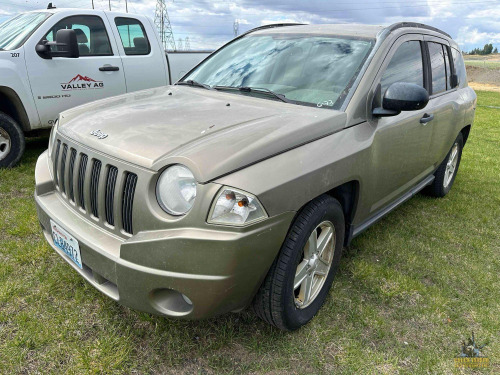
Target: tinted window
[
  {"x": 405, "y": 66},
  {"x": 308, "y": 69},
  {"x": 438, "y": 67},
  {"x": 133, "y": 36},
  {"x": 458, "y": 61},
  {"x": 91, "y": 35}
]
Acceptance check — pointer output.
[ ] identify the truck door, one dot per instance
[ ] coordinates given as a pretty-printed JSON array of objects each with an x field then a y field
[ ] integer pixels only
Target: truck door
[
  {"x": 62, "y": 83},
  {"x": 143, "y": 58}
]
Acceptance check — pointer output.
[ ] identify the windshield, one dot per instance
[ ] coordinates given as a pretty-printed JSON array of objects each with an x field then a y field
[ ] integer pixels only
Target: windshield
[
  {"x": 14, "y": 32},
  {"x": 311, "y": 70}
]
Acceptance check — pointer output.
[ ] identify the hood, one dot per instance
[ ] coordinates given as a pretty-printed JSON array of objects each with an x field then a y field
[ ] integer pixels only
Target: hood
[{"x": 211, "y": 132}]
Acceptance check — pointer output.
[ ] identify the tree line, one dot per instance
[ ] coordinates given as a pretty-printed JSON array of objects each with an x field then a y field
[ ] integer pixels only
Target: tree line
[{"x": 486, "y": 50}]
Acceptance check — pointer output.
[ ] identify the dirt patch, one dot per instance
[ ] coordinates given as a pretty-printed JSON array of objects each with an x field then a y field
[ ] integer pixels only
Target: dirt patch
[
  {"x": 484, "y": 86},
  {"x": 483, "y": 75}
]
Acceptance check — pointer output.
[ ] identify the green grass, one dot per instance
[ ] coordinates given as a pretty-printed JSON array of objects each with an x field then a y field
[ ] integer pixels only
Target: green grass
[
  {"x": 483, "y": 64},
  {"x": 409, "y": 290}
]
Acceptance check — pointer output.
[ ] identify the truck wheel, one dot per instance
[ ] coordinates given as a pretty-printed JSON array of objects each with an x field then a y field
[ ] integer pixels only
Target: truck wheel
[
  {"x": 300, "y": 277},
  {"x": 11, "y": 142},
  {"x": 447, "y": 171}
]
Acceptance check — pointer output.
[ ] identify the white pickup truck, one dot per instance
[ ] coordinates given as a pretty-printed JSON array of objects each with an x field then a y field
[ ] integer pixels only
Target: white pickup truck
[{"x": 55, "y": 59}]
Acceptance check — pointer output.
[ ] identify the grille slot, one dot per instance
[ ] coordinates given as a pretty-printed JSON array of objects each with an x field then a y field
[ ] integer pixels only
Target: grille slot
[
  {"x": 62, "y": 182},
  {"x": 81, "y": 179},
  {"x": 56, "y": 160},
  {"x": 110, "y": 194},
  {"x": 71, "y": 186},
  {"x": 128, "y": 201},
  {"x": 94, "y": 187}
]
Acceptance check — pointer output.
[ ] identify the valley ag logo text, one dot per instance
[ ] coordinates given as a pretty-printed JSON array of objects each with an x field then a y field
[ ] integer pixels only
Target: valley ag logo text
[{"x": 80, "y": 82}]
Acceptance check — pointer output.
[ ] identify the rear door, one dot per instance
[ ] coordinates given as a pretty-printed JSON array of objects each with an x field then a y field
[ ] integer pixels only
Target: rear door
[
  {"x": 400, "y": 144},
  {"x": 144, "y": 61},
  {"x": 62, "y": 83},
  {"x": 444, "y": 102}
]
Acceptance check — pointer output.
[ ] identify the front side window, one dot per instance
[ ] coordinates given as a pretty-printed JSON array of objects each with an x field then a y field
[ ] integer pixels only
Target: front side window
[
  {"x": 436, "y": 53},
  {"x": 90, "y": 32},
  {"x": 133, "y": 36},
  {"x": 308, "y": 70},
  {"x": 14, "y": 32},
  {"x": 405, "y": 66}
]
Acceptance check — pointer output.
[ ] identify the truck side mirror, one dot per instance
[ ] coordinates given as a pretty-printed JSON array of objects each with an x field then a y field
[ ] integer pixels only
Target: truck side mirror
[
  {"x": 66, "y": 43},
  {"x": 402, "y": 96}
]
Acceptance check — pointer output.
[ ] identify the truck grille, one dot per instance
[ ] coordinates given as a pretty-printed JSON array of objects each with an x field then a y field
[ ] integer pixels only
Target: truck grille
[{"x": 89, "y": 182}]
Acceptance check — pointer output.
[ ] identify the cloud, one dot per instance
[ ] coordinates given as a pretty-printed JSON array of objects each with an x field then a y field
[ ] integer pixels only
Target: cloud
[{"x": 209, "y": 24}]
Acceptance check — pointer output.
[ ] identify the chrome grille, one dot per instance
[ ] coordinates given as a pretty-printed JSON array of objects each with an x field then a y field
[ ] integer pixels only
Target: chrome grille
[
  {"x": 72, "y": 160},
  {"x": 97, "y": 189},
  {"x": 62, "y": 182},
  {"x": 94, "y": 187},
  {"x": 110, "y": 194},
  {"x": 81, "y": 179},
  {"x": 127, "y": 201}
]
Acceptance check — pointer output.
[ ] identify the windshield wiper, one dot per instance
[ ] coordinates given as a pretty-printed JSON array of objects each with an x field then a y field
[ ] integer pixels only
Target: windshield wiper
[
  {"x": 260, "y": 90},
  {"x": 190, "y": 82}
]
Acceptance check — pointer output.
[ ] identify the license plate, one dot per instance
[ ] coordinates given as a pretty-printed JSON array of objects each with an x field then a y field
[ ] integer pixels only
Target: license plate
[{"x": 64, "y": 241}]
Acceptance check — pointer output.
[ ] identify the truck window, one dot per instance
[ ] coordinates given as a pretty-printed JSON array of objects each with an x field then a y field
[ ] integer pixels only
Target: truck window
[
  {"x": 133, "y": 36},
  {"x": 406, "y": 66},
  {"x": 14, "y": 32},
  {"x": 438, "y": 67},
  {"x": 448, "y": 68},
  {"x": 90, "y": 32},
  {"x": 458, "y": 61}
]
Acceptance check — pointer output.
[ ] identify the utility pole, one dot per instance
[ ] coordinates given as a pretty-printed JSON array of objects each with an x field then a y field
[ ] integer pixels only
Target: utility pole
[
  {"x": 179, "y": 44},
  {"x": 187, "y": 44},
  {"x": 126, "y": 6},
  {"x": 92, "y": 4},
  {"x": 236, "y": 28},
  {"x": 162, "y": 23},
  {"x": 109, "y": 1}
]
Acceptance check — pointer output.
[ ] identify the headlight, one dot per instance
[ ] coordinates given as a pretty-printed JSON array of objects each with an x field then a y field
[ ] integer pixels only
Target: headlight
[
  {"x": 176, "y": 190},
  {"x": 52, "y": 137},
  {"x": 235, "y": 207}
]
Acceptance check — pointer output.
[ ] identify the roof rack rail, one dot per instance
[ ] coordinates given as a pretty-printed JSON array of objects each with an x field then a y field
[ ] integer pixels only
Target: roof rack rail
[
  {"x": 271, "y": 26},
  {"x": 399, "y": 25}
]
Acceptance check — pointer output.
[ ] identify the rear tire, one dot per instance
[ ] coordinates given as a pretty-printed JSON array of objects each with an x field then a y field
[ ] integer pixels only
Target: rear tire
[
  {"x": 311, "y": 252},
  {"x": 12, "y": 142},
  {"x": 447, "y": 171}
]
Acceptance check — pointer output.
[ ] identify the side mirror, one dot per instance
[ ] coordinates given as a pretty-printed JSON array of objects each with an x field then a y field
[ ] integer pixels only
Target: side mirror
[
  {"x": 402, "y": 96},
  {"x": 66, "y": 44}
]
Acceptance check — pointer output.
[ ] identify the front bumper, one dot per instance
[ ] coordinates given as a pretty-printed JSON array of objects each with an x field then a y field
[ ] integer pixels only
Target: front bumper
[{"x": 219, "y": 269}]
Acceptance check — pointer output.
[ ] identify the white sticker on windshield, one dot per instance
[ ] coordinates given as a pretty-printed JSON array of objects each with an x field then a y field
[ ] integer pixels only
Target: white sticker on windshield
[{"x": 326, "y": 103}]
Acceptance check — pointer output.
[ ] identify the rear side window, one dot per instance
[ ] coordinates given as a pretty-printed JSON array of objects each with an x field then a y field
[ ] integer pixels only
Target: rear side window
[
  {"x": 438, "y": 67},
  {"x": 90, "y": 32},
  {"x": 405, "y": 66},
  {"x": 133, "y": 36},
  {"x": 458, "y": 61}
]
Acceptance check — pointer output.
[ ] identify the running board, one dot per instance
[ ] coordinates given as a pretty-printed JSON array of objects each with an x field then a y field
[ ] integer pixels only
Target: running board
[{"x": 379, "y": 215}]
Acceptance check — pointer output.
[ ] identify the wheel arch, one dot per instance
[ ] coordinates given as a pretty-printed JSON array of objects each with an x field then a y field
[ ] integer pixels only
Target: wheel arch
[
  {"x": 11, "y": 105},
  {"x": 465, "y": 132},
  {"x": 347, "y": 194}
]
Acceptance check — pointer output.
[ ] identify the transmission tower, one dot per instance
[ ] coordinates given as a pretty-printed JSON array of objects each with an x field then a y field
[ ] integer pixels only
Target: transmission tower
[
  {"x": 187, "y": 44},
  {"x": 162, "y": 23},
  {"x": 179, "y": 44},
  {"x": 236, "y": 28}
]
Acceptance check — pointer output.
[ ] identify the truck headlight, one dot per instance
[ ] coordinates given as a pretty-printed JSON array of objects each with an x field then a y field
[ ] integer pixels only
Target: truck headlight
[
  {"x": 53, "y": 133},
  {"x": 236, "y": 207},
  {"x": 176, "y": 190}
]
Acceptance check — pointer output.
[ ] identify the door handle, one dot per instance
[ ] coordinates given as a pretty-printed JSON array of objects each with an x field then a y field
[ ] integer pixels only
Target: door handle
[
  {"x": 109, "y": 68},
  {"x": 428, "y": 117}
]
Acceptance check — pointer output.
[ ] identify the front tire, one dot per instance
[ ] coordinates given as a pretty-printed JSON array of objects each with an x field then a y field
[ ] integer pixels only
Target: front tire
[
  {"x": 447, "y": 171},
  {"x": 298, "y": 282},
  {"x": 12, "y": 142}
]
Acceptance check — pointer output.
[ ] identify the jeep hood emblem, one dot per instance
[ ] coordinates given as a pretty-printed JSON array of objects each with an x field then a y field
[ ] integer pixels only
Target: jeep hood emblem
[{"x": 98, "y": 133}]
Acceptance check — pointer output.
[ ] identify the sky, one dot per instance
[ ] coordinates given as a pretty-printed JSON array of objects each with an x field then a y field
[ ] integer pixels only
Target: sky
[{"x": 209, "y": 24}]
